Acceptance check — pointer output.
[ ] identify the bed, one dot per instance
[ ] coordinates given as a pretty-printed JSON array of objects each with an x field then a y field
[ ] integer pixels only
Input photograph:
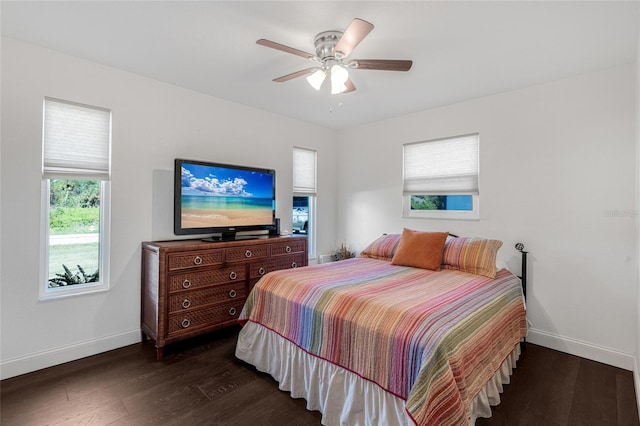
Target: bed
[{"x": 389, "y": 337}]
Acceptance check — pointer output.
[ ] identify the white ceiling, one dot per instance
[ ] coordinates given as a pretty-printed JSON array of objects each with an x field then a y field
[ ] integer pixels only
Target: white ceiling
[{"x": 460, "y": 50}]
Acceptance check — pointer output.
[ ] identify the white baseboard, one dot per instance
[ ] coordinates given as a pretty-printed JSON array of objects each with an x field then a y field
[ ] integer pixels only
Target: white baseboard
[
  {"x": 39, "y": 360},
  {"x": 582, "y": 349}
]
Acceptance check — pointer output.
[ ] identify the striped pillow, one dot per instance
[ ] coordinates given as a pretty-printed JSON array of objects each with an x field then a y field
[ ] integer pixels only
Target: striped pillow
[
  {"x": 383, "y": 248},
  {"x": 473, "y": 255}
]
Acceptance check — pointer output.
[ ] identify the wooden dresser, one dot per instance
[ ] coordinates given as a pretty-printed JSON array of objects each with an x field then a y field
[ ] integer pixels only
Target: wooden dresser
[{"x": 191, "y": 287}]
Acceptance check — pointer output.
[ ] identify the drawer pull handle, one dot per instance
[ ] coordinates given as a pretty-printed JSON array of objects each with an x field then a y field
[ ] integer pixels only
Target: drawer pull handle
[
  {"x": 186, "y": 323},
  {"x": 247, "y": 253},
  {"x": 186, "y": 303},
  {"x": 261, "y": 271},
  {"x": 232, "y": 312},
  {"x": 197, "y": 260},
  {"x": 232, "y": 294},
  {"x": 288, "y": 249},
  {"x": 294, "y": 265},
  {"x": 186, "y": 284},
  {"x": 233, "y": 275}
]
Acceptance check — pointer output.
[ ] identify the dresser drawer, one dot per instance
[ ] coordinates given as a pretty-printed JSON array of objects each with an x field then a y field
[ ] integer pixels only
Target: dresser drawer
[
  {"x": 245, "y": 253},
  {"x": 258, "y": 269},
  {"x": 187, "y": 321},
  {"x": 196, "y": 279},
  {"x": 295, "y": 246},
  {"x": 196, "y": 298},
  {"x": 195, "y": 259}
]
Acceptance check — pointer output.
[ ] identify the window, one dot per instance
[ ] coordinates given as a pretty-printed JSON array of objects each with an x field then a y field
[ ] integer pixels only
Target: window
[
  {"x": 75, "y": 199},
  {"x": 300, "y": 215},
  {"x": 440, "y": 178},
  {"x": 304, "y": 195}
]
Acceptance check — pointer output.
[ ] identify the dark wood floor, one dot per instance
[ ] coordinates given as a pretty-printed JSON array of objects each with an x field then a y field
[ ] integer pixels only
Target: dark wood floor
[{"x": 202, "y": 383}]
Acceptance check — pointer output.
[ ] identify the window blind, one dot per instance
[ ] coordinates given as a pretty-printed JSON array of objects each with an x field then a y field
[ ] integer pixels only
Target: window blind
[
  {"x": 442, "y": 167},
  {"x": 304, "y": 172},
  {"x": 76, "y": 141}
]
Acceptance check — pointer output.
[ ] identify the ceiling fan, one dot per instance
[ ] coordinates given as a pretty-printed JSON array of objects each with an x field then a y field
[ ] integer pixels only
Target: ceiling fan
[{"x": 332, "y": 50}]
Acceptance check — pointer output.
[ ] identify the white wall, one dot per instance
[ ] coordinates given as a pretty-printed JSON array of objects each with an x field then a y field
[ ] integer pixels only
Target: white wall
[
  {"x": 557, "y": 170},
  {"x": 153, "y": 123}
]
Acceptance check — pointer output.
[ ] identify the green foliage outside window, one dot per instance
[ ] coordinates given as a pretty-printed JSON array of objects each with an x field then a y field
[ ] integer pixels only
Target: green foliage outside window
[
  {"x": 74, "y": 220},
  {"x": 428, "y": 202},
  {"x": 69, "y": 278},
  {"x": 74, "y": 208},
  {"x": 74, "y": 193}
]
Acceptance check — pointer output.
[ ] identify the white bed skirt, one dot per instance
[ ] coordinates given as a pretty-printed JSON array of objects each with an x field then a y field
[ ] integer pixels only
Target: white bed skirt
[{"x": 341, "y": 396}]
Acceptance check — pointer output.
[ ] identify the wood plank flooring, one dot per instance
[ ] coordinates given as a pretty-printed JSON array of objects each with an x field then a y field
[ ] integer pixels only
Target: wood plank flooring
[{"x": 200, "y": 382}]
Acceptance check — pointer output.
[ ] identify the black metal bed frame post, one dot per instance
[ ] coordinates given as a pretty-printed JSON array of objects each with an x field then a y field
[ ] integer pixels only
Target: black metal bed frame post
[{"x": 523, "y": 279}]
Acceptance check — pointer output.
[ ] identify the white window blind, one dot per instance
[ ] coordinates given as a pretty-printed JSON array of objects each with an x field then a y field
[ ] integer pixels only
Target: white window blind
[
  {"x": 304, "y": 172},
  {"x": 76, "y": 141},
  {"x": 442, "y": 167}
]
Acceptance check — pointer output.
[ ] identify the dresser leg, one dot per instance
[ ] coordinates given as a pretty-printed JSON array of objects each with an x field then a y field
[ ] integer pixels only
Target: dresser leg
[{"x": 159, "y": 353}]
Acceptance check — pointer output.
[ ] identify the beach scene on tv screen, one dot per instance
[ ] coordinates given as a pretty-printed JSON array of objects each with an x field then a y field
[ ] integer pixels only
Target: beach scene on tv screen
[{"x": 217, "y": 197}]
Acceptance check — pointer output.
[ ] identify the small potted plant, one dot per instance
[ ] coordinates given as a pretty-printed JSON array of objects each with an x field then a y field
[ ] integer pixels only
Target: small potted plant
[{"x": 343, "y": 252}]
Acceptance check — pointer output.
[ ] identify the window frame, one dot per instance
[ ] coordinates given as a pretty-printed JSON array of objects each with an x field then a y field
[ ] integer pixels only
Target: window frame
[
  {"x": 309, "y": 190},
  {"x": 311, "y": 228},
  {"x": 75, "y": 170},
  {"x": 473, "y": 214},
  {"x": 46, "y": 292},
  {"x": 311, "y": 225}
]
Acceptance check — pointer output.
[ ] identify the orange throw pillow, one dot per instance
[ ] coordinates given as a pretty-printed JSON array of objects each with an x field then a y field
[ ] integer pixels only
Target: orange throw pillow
[{"x": 420, "y": 249}]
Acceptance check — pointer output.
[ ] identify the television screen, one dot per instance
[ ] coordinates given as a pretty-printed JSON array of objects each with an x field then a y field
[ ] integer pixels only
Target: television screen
[{"x": 222, "y": 198}]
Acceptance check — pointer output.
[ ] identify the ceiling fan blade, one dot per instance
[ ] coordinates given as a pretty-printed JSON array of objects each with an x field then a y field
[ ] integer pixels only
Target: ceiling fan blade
[
  {"x": 287, "y": 49},
  {"x": 381, "y": 64},
  {"x": 296, "y": 74},
  {"x": 355, "y": 33},
  {"x": 350, "y": 86}
]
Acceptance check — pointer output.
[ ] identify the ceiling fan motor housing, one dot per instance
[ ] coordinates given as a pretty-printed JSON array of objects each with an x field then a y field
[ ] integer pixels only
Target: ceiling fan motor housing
[{"x": 325, "y": 44}]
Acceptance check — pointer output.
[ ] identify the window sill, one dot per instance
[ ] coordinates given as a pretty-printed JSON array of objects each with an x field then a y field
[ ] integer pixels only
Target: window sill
[
  {"x": 446, "y": 216},
  {"x": 66, "y": 292}
]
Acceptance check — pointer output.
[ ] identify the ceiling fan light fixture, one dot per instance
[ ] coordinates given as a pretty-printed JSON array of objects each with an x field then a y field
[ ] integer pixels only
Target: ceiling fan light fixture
[
  {"x": 335, "y": 90},
  {"x": 339, "y": 76},
  {"x": 332, "y": 50},
  {"x": 317, "y": 78}
]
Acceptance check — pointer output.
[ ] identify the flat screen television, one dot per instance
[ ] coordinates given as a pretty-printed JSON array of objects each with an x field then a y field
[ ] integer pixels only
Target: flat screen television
[{"x": 225, "y": 201}]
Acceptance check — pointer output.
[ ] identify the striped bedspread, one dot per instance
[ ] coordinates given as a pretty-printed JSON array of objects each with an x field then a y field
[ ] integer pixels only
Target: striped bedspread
[{"x": 431, "y": 338}]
